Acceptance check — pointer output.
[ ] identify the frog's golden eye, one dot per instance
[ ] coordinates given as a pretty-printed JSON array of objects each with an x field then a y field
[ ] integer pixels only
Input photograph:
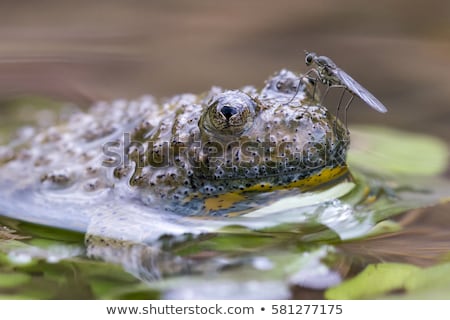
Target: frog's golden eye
[{"x": 231, "y": 113}]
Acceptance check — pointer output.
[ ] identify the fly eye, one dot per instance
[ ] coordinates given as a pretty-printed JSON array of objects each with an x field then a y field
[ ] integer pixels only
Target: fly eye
[
  {"x": 308, "y": 59},
  {"x": 231, "y": 112}
]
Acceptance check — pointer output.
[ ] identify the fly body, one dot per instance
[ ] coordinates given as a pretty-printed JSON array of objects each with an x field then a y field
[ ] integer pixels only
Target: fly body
[{"x": 327, "y": 72}]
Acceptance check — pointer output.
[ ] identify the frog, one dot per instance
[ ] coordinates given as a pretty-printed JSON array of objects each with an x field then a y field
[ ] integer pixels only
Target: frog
[
  {"x": 125, "y": 170},
  {"x": 181, "y": 155}
]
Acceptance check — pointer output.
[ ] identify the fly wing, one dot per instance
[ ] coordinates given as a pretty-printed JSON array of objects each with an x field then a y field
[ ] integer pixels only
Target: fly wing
[{"x": 360, "y": 91}]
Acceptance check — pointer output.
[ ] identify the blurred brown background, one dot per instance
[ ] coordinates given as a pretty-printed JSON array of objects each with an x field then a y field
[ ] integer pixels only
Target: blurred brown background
[{"x": 88, "y": 50}]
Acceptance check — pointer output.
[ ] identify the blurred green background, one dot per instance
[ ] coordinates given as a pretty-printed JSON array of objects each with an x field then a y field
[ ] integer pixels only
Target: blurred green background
[{"x": 82, "y": 51}]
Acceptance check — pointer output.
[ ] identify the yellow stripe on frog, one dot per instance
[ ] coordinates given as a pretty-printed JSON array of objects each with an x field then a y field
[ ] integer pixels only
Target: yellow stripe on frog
[{"x": 227, "y": 200}]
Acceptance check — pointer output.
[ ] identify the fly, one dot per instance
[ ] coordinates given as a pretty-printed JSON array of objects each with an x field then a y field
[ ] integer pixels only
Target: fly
[
  {"x": 331, "y": 75},
  {"x": 327, "y": 72}
]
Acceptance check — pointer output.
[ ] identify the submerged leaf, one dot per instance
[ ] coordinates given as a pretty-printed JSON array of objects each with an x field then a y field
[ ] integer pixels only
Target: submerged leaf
[
  {"x": 376, "y": 279},
  {"x": 384, "y": 279},
  {"x": 8, "y": 280},
  {"x": 255, "y": 277},
  {"x": 10, "y": 234},
  {"x": 429, "y": 283},
  {"x": 383, "y": 227}
]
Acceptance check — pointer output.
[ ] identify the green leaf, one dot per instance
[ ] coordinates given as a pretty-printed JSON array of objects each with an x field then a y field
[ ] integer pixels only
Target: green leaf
[
  {"x": 383, "y": 227},
  {"x": 410, "y": 282},
  {"x": 429, "y": 283},
  {"x": 15, "y": 297},
  {"x": 9, "y": 280},
  {"x": 304, "y": 200},
  {"x": 376, "y": 279},
  {"x": 389, "y": 151}
]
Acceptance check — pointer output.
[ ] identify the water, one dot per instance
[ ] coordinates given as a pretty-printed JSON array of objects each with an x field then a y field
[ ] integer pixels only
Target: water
[{"x": 296, "y": 245}]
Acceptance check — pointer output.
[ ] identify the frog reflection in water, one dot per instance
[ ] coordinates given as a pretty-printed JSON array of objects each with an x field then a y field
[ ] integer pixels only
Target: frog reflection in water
[{"x": 192, "y": 155}]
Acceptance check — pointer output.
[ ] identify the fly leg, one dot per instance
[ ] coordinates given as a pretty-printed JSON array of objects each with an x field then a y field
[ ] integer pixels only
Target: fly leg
[
  {"x": 346, "y": 108},
  {"x": 340, "y": 101},
  {"x": 307, "y": 75},
  {"x": 344, "y": 88},
  {"x": 314, "y": 79},
  {"x": 324, "y": 95},
  {"x": 338, "y": 108}
]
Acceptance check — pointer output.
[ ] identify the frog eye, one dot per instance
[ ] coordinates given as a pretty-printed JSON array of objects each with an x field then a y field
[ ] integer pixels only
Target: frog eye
[{"x": 230, "y": 112}]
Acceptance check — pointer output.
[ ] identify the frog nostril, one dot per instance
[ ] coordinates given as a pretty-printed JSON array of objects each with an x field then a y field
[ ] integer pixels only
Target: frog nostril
[{"x": 228, "y": 111}]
